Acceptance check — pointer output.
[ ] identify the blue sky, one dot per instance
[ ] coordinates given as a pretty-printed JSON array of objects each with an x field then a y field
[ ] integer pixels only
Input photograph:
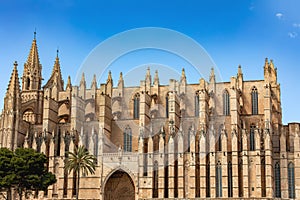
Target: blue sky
[{"x": 232, "y": 32}]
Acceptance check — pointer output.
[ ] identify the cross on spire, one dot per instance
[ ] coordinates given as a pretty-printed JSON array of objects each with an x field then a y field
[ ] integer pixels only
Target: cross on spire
[{"x": 34, "y": 34}]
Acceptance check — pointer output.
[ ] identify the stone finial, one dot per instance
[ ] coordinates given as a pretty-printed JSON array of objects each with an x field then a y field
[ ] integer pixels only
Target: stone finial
[
  {"x": 240, "y": 70},
  {"x": 212, "y": 77},
  {"x": 266, "y": 64},
  {"x": 109, "y": 78},
  {"x": 156, "y": 78},
  {"x": 82, "y": 81},
  {"x": 183, "y": 73},
  {"x": 183, "y": 76},
  {"x": 94, "y": 82},
  {"x": 202, "y": 84},
  {"x": 69, "y": 84},
  {"x": 121, "y": 80},
  {"x": 148, "y": 72},
  {"x": 109, "y": 75},
  {"x": 272, "y": 64}
]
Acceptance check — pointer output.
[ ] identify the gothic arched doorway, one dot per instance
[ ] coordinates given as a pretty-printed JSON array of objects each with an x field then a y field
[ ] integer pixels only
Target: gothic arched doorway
[{"x": 119, "y": 186}]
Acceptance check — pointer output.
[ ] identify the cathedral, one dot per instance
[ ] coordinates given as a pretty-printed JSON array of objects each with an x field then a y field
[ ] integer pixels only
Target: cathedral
[{"x": 216, "y": 140}]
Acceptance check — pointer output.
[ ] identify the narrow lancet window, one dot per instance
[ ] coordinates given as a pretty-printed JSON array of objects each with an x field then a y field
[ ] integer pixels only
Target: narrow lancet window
[
  {"x": 254, "y": 100},
  {"x": 136, "y": 106},
  {"x": 226, "y": 103}
]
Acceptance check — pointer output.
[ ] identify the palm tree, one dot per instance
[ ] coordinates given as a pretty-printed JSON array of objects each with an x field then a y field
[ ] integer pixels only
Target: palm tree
[{"x": 80, "y": 161}]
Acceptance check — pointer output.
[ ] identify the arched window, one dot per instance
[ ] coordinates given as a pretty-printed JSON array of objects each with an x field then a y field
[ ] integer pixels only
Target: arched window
[
  {"x": 291, "y": 180},
  {"x": 167, "y": 106},
  {"x": 229, "y": 179},
  {"x": 197, "y": 104},
  {"x": 155, "y": 180},
  {"x": 226, "y": 103},
  {"x": 252, "y": 138},
  {"x": 127, "y": 139},
  {"x": 254, "y": 100},
  {"x": 277, "y": 180},
  {"x": 219, "y": 180},
  {"x": 28, "y": 83},
  {"x": 136, "y": 106}
]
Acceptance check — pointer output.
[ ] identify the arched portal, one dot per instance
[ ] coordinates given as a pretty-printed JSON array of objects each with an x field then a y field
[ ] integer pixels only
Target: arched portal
[{"x": 119, "y": 186}]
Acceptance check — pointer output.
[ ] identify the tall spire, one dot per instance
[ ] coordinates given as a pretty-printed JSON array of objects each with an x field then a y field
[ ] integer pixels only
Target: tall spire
[
  {"x": 56, "y": 77},
  {"x": 13, "y": 88},
  {"x": 32, "y": 73},
  {"x": 33, "y": 59}
]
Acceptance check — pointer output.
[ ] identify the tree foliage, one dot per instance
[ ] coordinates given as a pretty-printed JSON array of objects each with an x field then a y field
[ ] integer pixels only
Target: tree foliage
[
  {"x": 80, "y": 161},
  {"x": 24, "y": 169}
]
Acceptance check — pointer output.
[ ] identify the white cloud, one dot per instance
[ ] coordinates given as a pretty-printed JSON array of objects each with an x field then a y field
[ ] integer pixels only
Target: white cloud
[
  {"x": 292, "y": 34},
  {"x": 296, "y": 25},
  {"x": 279, "y": 15}
]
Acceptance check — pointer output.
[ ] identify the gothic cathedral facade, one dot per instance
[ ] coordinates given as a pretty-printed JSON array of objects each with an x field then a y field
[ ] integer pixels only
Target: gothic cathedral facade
[{"x": 185, "y": 141}]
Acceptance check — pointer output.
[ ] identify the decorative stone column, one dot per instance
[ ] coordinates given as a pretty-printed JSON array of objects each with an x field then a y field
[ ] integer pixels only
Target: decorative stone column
[
  {"x": 180, "y": 167},
  {"x": 171, "y": 158},
  {"x": 202, "y": 163},
  {"x": 245, "y": 164},
  {"x": 191, "y": 189},
  {"x": 235, "y": 165},
  {"x": 161, "y": 167}
]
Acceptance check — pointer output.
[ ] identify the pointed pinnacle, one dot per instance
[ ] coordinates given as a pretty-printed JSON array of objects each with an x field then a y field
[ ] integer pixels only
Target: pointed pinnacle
[
  {"x": 148, "y": 75},
  {"x": 14, "y": 85},
  {"x": 82, "y": 81},
  {"x": 271, "y": 64},
  {"x": 240, "y": 70},
  {"x": 109, "y": 75},
  {"x": 266, "y": 63},
  {"x": 156, "y": 78},
  {"x": 69, "y": 85},
  {"x": 212, "y": 72},
  {"x": 182, "y": 72},
  {"x": 94, "y": 81},
  {"x": 212, "y": 75}
]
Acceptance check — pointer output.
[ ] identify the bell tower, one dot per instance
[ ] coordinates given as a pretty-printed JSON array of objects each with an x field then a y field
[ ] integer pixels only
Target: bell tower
[
  {"x": 31, "y": 93},
  {"x": 32, "y": 74}
]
